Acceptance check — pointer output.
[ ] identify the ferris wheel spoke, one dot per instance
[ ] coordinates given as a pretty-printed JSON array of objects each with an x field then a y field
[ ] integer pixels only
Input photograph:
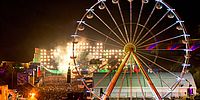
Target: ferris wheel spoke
[
  {"x": 138, "y": 21},
  {"x": 131, "y": 20},
  {"x": 145, "y": 23},
  {"x": 157, "y": 64},
  {"x": 115, "y": 23},
  {"x": 161, "y": 50},
  {"x": 152, "y": 28},
  {"x": 157, "y": 33},
  {"x": 109, "y": 28},
  {"x": 122, "y": 17},
  {"x": 121, "y": 84},
  {"x": 153, "y": 71},
  {"x": 161, "y": 57},
  {"x": 168, "y": 39},
  {"x": 103, "y": 34}
]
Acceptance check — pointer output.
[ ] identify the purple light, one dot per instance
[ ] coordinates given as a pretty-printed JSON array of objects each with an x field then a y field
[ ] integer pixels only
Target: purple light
[
  {"x": 195, "y": 46},
  {"x": 190, "y": 91},
  {"x": 174, "y": 47},
  {"x": 151, "y": 47}
]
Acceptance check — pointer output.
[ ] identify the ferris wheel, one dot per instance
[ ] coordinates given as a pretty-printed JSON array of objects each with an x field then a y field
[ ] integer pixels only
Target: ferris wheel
[{"x": 151, "y": 39}]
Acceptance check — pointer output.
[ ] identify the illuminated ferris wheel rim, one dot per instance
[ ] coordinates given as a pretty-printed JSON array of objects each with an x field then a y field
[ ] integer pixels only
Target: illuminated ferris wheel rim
[
  {"x": 160, "y": 1},
  {"x": 130, "y": 47},
  {"x": 170, "y": 9},
  {"x": 185, "y": 35}
]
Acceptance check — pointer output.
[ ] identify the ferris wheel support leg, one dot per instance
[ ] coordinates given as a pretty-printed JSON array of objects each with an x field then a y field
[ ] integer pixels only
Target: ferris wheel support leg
[
  {"x": 148, "y": 79},
  {"x": 115, "y": 77}
]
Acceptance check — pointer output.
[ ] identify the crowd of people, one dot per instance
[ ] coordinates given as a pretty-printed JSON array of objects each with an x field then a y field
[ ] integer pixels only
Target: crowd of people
[{"x": 57, "y": 88}]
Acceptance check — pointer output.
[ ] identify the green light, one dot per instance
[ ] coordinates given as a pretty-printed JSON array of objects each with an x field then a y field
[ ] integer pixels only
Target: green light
[
  {"x": 103, "y": 71},
  {"x": 54, "y": 71}
]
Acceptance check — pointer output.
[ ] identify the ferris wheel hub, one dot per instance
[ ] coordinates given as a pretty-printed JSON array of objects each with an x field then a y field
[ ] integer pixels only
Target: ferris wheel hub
[{"x": 129, "y": 47}]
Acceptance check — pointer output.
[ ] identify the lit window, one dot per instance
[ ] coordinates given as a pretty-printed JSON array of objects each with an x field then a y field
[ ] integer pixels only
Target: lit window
[{"x": 51, "y": 66}]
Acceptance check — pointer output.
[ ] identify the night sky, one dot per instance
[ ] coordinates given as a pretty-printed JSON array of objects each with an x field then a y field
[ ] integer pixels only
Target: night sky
[{"x": 26, "y": 24}]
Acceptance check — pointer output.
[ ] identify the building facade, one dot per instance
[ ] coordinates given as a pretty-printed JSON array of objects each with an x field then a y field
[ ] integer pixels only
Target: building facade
[{"x": 51, "y": 57}]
